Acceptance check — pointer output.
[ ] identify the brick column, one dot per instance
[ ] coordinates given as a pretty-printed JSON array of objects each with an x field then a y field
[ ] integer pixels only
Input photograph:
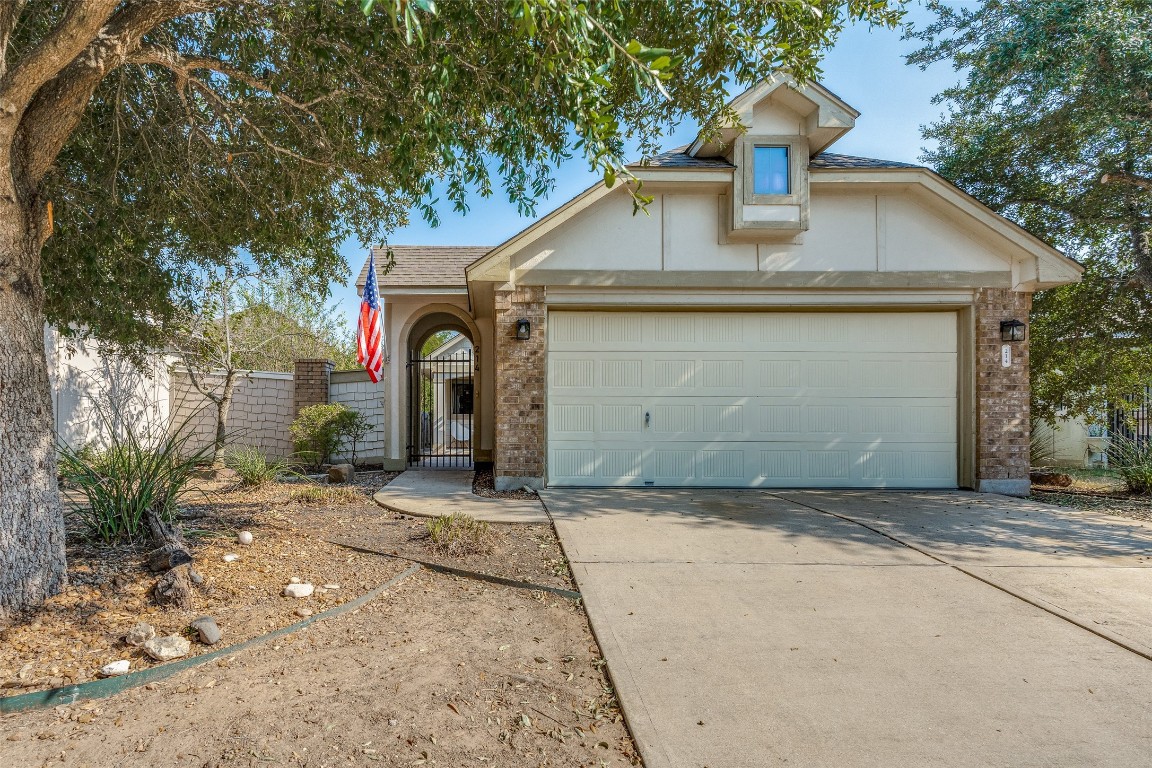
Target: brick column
[
  {"x": 520, "y": 447},
  {"x": 310, "y": 383},
  {"x": 1003, "y": 425}
]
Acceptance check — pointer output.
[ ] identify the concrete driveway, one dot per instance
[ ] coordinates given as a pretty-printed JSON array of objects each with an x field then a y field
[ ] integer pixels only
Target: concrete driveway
[{"x": 747, "y": 628}]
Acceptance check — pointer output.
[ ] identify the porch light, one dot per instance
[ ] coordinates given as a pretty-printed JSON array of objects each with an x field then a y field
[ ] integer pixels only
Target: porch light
[
  {"x": 523, "y": 329},
  {"x": 1012, "y": 330}
]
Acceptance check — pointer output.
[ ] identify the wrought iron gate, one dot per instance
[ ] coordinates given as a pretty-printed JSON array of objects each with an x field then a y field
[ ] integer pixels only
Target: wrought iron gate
[
  {"x": 440, "y": 400},
  {"x": 1133, "y": 421}
]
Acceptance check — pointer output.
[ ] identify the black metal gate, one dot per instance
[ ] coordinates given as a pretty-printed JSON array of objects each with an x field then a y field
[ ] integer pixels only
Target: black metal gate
[
  {"x": 1134, "y": 423},
  {"x": 440, "y": 395}
]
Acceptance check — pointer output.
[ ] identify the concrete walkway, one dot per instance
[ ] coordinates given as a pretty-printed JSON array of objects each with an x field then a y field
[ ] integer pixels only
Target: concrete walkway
[
  {"x": 435, "y": 492},
  {"x": 852, "y": 629}
]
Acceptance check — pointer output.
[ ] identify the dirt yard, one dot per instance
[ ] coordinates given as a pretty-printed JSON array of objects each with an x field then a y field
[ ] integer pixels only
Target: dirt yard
[
  {"x": 1096, "y": 491},
  {"x": 438, "y": 671}
]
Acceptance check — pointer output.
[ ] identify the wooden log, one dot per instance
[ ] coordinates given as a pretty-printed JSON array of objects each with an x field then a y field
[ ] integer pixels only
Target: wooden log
[
  {"x": 174, "y": 588},
  {"x": 172, "y": 557}
]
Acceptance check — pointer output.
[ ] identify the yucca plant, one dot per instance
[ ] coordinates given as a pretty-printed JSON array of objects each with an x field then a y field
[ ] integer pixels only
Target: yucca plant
[
  {"x": 138, "y": 469},
  {"x": 254, "y": 467},
  {"x": 1133, "y": 460}
]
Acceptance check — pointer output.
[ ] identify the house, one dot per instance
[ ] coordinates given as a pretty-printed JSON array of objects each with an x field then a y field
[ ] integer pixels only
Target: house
[{"x": 782, "y": 316}]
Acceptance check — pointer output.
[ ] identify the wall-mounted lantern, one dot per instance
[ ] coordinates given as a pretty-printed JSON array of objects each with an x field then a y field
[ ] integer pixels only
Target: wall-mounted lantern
[
  {"x": 523, "y": 329},
  {"x": 1012, "y": 330}
]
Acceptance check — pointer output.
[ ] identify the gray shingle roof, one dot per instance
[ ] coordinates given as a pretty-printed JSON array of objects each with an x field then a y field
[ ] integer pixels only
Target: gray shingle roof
[
  {"x": 424, "y": 265},
  {"x": 830, "y": 160},
  {"x": 677, "y": 158}
]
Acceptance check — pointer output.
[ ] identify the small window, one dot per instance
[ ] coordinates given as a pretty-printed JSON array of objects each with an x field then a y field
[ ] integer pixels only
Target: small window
[{"x": 770, "y": 171}]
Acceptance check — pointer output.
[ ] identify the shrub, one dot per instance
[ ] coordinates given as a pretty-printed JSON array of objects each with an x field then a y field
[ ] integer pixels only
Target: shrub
[
  {"x": 322, "y": 494},
  {"x": 458, "y": 535},
  {"x": 253, "y": 466},
  {"x": 320, "y": 430},
  {"x": 134, "y": 473},
  {"x": 1133, "y": 460}
]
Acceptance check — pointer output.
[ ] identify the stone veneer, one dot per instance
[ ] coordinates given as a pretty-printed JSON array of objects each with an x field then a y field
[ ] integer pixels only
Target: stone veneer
[
  {"x": 1002, "y": 396},
  {"x": 310, "y": 383},
  {"x": 520, "y": 434}
]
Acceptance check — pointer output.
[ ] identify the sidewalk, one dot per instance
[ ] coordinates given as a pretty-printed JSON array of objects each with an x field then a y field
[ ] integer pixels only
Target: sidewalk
[{"x": 435, "y": 492}]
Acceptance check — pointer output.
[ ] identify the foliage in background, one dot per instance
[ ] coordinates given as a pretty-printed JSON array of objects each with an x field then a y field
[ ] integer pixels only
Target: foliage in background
[
  {"x": 253, "y": 466},
  {"x": 1052, "y": 127},
  {"x": 320, "y": 430},
  {"x": 137, "y": 470},
  {"x": 1133, "y": 460},
  {"x": 460, "y": 535}
]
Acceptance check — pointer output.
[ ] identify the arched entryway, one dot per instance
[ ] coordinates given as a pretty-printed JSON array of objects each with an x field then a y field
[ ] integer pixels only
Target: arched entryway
[{"x": 442, "y": 397}]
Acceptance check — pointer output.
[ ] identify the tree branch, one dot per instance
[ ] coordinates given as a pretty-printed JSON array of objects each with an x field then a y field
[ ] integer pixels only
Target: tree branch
[
  {"x": 9, "y": 17},
  {"x": 1124, "y": 177}
]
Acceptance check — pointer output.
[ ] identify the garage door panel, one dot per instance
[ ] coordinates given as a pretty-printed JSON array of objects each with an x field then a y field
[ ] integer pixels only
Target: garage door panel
[
  {"x": 774, "y": 331},
  {"x": 753, "y": 399},
  {"x": 852, "y": 374}
]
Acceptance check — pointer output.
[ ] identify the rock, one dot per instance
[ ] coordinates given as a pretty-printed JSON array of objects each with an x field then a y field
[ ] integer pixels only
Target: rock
[
  {"x": 341, "y": 473},
  {"x": 299, "y": 590},
  {"x": 167, "y": 648},
  {"x": 331, "y": 586},
  {"x": 230, "y": 558},
  {"x": 140, "y": 634},
  {"x": 209, "y": 631},
  {"x": 303, "y": 612},
  {"x": 244, "y": 537},
  {"x": 1058, "y": 479},
  {"x": 196, "y": 576},
  {"x": 294, "y": 580},
  {"x": 116, "y": 668}
]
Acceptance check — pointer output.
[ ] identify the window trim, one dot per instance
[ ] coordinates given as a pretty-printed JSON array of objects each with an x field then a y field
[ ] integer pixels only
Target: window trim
[{"x": 797, "y": 163}]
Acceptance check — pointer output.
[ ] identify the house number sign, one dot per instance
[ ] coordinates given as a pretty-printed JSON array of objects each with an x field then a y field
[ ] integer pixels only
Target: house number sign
[{"x": 1005, "y": 356}]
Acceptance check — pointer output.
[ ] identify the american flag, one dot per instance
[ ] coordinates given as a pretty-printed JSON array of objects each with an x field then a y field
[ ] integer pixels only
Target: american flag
[{"x": 370, "y": 330}]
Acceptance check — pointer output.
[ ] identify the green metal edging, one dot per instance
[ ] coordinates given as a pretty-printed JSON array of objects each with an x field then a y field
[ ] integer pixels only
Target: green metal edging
[
  {"x": 501, "y": 580},
  {"x": 109, "y": 686}
]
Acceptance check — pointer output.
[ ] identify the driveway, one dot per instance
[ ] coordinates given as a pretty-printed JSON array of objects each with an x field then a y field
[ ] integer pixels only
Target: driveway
[{"x": 747, "y": 628}]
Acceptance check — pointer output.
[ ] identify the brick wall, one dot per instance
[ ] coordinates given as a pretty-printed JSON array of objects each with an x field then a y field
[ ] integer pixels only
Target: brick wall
[
  {"x": 519, "y": 408},
  {"x": 310, "y": 380},
  {"x": 1002, "y": 394}
]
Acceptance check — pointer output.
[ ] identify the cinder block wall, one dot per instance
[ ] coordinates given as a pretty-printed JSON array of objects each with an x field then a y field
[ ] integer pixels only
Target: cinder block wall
[
  {"x": 260, "y": 414},
  {"x": 355, "y": 390},
  {"x": 1003, "y": 424},
  {"x": 519, "y": 410}
]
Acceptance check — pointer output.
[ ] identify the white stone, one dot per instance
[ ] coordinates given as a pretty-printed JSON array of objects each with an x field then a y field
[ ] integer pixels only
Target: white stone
[
  {"x": 331, "y": 586},
  {"x": 294, "y": 580},
  {"x": 140, "y": 634},
  {"x": 303, "y": 612},
  {"x": 299, "y": 590},
  {"x": 244, "y": 537},
  {"x": 116, "y": 668},
  {"x": 167, "y": 648}
]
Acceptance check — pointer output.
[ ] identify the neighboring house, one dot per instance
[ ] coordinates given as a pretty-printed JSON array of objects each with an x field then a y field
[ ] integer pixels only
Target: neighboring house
[
  {"x": 781, "y": 317},
  {"x": 95, "y": 393}
]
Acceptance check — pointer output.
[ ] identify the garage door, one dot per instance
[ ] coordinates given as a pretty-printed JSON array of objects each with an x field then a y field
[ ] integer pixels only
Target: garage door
[{"x": 768, "y": 399}]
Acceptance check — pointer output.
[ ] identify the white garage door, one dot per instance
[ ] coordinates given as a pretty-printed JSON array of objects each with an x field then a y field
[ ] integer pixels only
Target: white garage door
[{"x": 768, "y": 399}]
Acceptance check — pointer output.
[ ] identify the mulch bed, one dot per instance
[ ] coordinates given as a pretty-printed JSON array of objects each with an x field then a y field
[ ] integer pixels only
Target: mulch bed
[
  {"x": 484, "y": 484},
  {"x": 1114, "y": 503}
]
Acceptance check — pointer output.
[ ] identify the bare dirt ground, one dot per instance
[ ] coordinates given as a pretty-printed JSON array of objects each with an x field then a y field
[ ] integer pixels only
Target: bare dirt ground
[
  {"x": 438, "y": 671},
  {"x": 1097, "y": 491}
]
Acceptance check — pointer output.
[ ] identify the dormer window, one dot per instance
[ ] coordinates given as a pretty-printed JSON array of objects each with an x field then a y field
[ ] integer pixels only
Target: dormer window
[
  {"x": 770, "y": 172},
  {"x": 770, "y": 187}
]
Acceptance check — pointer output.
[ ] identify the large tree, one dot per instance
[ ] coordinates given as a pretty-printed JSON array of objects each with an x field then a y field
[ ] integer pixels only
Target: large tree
[
  {"x": 1052, "y": 126},
  {"x": 145, "y": 138}
]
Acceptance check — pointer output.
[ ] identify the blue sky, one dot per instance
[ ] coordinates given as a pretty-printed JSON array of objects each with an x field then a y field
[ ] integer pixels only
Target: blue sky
[{"x": 866, "y": 68}]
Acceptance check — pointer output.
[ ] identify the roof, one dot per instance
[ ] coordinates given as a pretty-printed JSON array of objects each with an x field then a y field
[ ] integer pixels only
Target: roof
[
  {"x": 679, "y": 158},
  {"x": 831, "y": 160},
  {"x": 426, "y": 266}
]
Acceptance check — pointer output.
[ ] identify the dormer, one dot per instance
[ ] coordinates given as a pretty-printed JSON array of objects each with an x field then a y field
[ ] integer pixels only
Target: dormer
[{"x": 779, "y": 127}]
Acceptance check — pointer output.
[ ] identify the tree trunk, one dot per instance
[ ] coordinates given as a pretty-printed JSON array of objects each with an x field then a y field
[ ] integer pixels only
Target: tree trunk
[
  {"x": 32, "y": 565},
  {"x": 223, "y": 408}
]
